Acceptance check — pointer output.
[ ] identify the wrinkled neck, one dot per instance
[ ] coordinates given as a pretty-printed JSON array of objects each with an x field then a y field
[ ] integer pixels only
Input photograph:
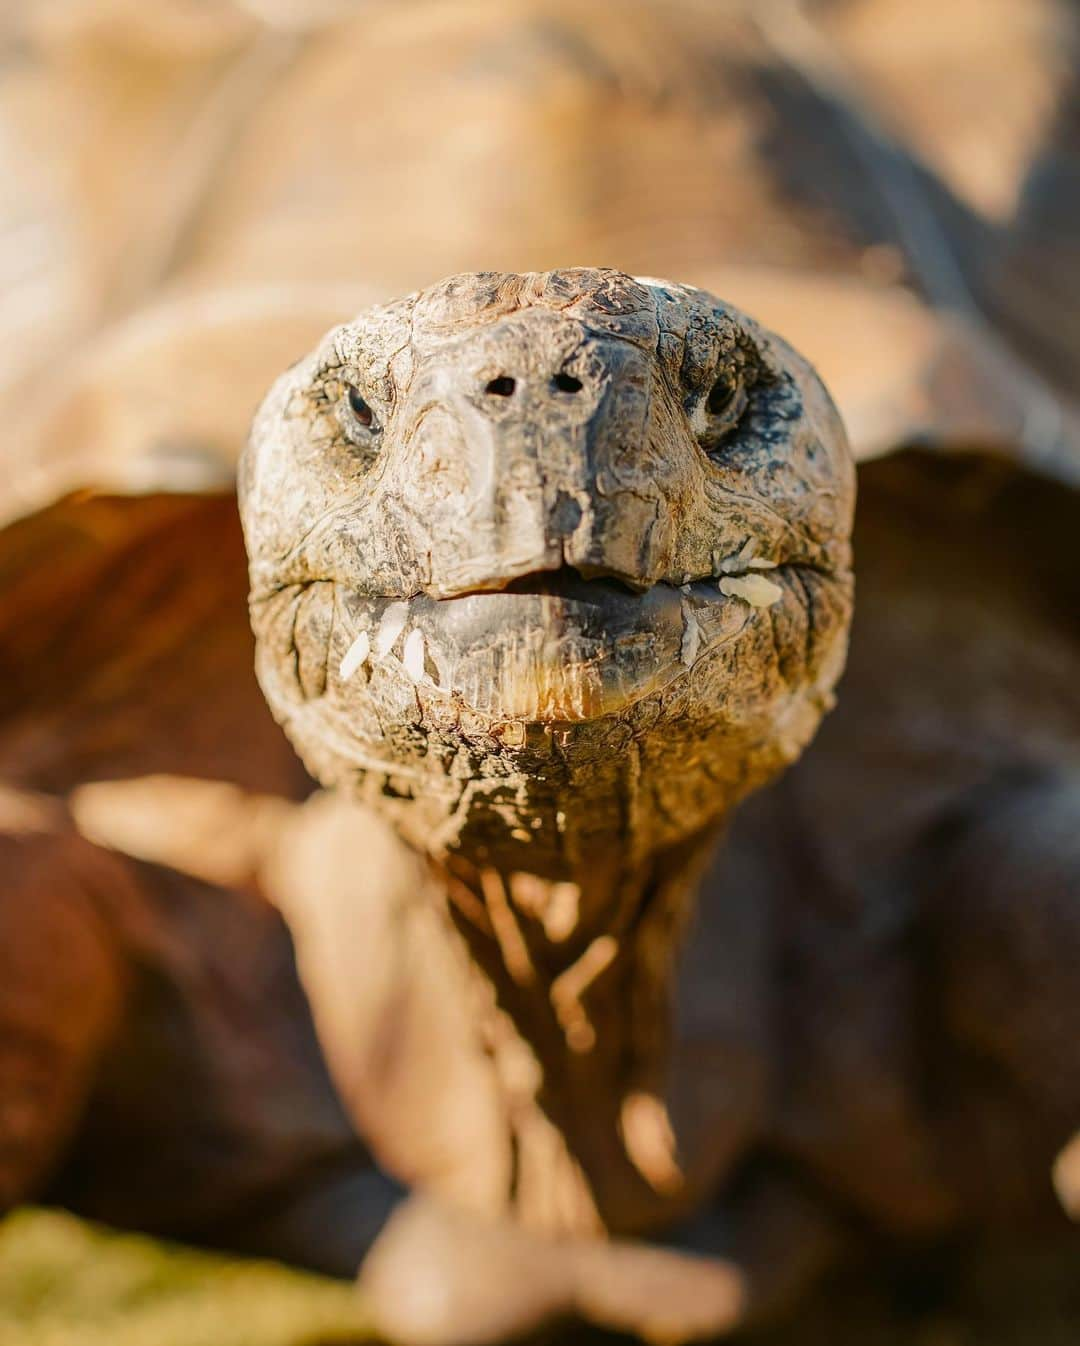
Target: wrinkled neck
[
  {"x": 580, "y": 972},
  {"x": 535, "y": 924}
]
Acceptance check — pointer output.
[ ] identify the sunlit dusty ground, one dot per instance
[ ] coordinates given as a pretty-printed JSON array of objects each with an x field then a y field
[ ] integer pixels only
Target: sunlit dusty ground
[{"x": 65, "y": 1283}]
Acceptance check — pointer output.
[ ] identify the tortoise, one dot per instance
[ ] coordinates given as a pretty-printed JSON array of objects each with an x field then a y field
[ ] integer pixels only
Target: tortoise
[{"x": 846, "y": 1066}]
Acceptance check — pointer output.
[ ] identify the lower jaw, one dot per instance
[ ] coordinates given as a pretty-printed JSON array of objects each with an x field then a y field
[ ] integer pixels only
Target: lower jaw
[
  {"x": 537, "y": 658},
  {"x": 535, "y": 731}
]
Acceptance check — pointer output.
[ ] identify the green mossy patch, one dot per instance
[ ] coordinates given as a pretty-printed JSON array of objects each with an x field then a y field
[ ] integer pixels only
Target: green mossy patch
[{"x": 64, "y": 1282}]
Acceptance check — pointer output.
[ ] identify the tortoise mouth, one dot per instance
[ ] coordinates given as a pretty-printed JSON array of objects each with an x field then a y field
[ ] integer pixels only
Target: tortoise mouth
[
  {"x": 547, "y": 647},
  {"x": 565, "y": 581}
]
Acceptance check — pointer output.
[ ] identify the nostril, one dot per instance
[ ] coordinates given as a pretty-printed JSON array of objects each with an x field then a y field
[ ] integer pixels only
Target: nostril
[
  {"x": 566, "y": 383},
  {"x": 503, "y": 386}
]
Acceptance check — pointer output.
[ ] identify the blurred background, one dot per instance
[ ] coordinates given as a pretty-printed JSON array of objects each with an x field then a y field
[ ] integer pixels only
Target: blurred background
[{"x": 192, "y": 191}]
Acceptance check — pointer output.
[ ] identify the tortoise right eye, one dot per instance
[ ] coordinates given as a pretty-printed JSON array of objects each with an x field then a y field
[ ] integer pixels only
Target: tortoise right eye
[
  {"x": 359, "y": 408},
  {"x": 721, "y": 395}
]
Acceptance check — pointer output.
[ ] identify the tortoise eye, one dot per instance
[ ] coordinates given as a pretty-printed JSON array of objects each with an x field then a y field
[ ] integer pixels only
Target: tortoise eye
[
  {"x": 721, "y": 395},
  {"x": 720, "y": 414},
  {"x": 359, "y": 408}
]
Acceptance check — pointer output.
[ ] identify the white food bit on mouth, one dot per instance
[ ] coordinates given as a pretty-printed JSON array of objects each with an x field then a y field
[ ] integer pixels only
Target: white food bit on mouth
[
  {"x": 753, "y": 589},
  {"x": 391, "y": 626},
  {"x": 691, "y": 638},
  {"x": 414, "y": 654},
  {"x": 738, "y": 562},
  {"x": 355, "y": 655}
]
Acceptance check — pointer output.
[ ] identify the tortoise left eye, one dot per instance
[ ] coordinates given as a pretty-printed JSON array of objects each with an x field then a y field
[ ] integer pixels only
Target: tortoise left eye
[
  {"x": 721, "y": 395},
  {"x": 359, "y": 408}
]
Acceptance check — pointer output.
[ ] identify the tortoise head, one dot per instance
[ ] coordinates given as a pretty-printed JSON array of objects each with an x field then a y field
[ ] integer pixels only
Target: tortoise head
[{"x": 527, "y": 545}]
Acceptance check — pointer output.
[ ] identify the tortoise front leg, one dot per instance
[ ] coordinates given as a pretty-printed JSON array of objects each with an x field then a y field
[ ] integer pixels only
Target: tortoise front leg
[{"x": 439, "y": 1277}]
